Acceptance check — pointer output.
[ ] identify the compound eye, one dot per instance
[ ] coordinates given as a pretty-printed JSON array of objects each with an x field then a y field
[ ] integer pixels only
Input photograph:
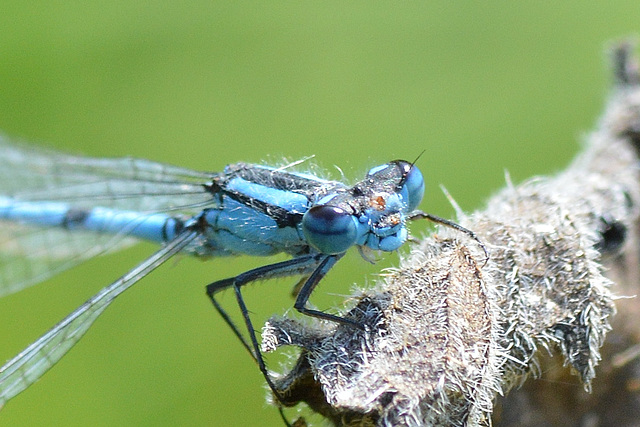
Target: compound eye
[
  {"x": 413, "y": 183},
  {"x": 329, "y": 229}
]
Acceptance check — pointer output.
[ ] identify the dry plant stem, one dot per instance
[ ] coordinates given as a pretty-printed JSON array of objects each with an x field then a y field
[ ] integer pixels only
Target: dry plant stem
[{"x": 449, "y": 335}]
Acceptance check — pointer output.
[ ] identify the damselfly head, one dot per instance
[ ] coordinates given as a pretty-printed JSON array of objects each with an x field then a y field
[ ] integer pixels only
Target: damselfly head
[{"x": 405, "y": 178}]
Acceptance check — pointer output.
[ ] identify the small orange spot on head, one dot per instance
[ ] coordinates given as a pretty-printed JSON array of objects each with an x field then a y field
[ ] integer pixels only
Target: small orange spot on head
[
  {"x": 377, "y": 202},
  {"x": 394, "y": 219}
]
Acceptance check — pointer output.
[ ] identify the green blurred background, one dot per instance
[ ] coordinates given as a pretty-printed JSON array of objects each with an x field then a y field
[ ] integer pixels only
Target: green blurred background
[{"x": 481, "y": 87}]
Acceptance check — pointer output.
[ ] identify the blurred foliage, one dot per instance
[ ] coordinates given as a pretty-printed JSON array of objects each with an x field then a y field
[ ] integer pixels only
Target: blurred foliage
[{"x": 481, "y": 87}]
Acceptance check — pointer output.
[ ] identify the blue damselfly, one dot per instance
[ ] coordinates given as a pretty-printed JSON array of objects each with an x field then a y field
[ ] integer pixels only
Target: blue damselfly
[{"x": 57, "y": 210}]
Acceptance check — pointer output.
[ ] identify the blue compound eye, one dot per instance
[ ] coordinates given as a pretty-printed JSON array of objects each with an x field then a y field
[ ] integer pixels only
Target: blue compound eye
[
  {"x": 412, "y": 182},
  {"x": 329, "y": 229}
]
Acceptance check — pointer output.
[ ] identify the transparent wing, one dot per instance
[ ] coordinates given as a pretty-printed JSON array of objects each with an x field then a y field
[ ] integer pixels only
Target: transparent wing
[
  {"x": 28, "y": 366},
  {"x": 31, "y": 254},
  {"x": 33, "y": 174}
]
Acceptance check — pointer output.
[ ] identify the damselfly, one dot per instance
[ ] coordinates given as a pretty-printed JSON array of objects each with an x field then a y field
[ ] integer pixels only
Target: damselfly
[{"x": 58, "y": 210}]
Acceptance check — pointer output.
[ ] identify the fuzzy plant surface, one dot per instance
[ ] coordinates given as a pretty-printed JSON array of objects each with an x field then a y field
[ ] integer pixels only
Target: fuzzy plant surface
[{"x": 543, "y": 332}]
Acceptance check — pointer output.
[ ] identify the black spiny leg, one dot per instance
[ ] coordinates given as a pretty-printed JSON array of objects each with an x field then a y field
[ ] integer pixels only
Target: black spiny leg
[
  {"x": 433, "y": 218},
  {"x": 308, "y": 287},
  {"x": 297, "y": 266}
]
